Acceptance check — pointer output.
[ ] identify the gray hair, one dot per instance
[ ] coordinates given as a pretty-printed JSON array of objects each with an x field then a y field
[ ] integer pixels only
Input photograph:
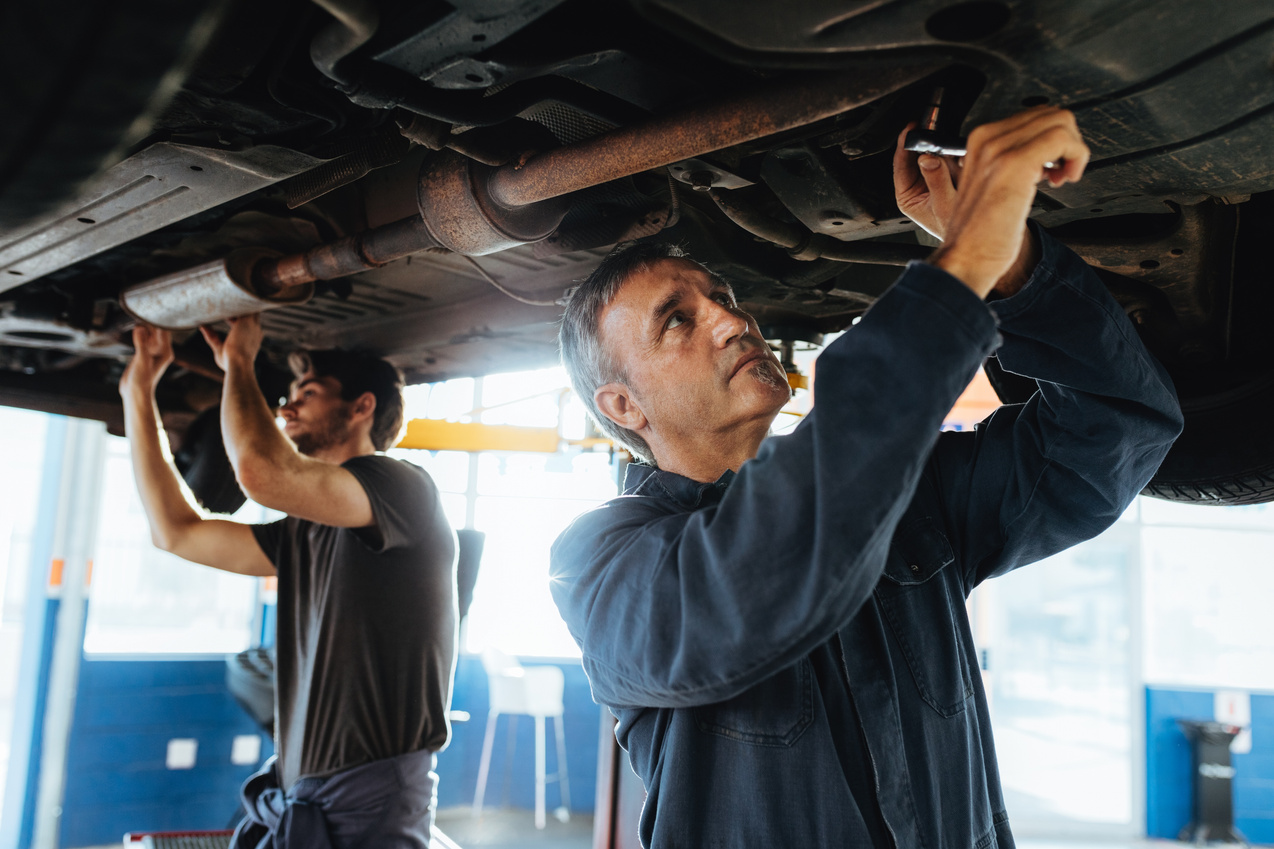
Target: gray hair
[{"x": 588, "y": 364}]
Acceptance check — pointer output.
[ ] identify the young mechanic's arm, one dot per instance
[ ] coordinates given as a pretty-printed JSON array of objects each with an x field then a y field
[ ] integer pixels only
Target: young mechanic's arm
[
  {"x": 175, "y": 524},
  {"x": 268, "y": 466},
  {"x": 677, "y": 609}
]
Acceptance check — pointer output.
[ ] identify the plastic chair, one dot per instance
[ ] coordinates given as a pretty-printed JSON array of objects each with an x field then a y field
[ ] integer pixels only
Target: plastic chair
[{"x": 531, "y": 691}]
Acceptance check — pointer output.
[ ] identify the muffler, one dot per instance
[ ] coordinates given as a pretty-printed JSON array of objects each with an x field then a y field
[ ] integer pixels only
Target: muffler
[{"x": 210, "y": 293}]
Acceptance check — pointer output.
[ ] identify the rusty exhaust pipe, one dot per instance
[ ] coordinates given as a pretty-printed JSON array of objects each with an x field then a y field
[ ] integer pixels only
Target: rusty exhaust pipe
[
  {"x": 350, "y": 255},
  {"x": 693, "y": 132},
  {"x": 475, "y": 209},
  {"x": 255, "y": 279}
]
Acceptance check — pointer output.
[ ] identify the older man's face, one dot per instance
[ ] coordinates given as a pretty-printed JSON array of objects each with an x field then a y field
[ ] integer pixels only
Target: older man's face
[{"x": 694, "y": 362}]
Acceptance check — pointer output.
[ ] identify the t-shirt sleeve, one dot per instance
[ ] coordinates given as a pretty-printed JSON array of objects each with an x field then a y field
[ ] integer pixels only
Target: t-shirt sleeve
[
  {"x": 402, "y": 496},
  {"x": 270, "y": 537}
]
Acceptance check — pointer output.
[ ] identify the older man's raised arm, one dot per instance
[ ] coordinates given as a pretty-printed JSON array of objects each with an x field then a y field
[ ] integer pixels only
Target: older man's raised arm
[
  {"x": 676, "y": 607},
  {"x": 1037, "y": 478}
]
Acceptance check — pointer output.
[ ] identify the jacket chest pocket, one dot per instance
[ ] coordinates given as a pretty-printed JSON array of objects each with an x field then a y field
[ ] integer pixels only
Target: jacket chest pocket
[
  {"x": 773, "y": 713},
  {"x": 924, "y": 609}
]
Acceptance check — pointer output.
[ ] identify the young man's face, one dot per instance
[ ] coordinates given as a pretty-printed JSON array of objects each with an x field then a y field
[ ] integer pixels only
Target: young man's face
[
  {"x": 694, "y": 362},
  {"x": 315, "y": 416}
]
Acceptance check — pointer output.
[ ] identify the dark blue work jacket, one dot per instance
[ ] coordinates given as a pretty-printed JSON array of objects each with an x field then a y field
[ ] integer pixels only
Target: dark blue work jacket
[{"x": 787, "y": 649}]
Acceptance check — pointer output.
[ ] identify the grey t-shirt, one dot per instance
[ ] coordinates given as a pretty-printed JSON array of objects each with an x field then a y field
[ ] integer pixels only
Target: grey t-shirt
[{"x": 366, "y": 627}]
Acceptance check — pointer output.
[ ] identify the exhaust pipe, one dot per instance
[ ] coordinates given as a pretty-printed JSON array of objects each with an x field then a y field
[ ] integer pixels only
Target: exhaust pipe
[
  {"x": 253, "y": 280},
  {"x": 474, "y": 209}
]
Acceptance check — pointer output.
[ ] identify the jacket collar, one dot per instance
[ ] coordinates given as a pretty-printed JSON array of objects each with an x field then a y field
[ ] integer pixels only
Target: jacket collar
[{"x": 640, "y": 479}]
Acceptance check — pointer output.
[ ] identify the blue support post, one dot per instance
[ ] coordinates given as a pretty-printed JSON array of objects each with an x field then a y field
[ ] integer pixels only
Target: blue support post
[
  {"x": 40, "y": 616},
  {"x": 53, "y": 633}
]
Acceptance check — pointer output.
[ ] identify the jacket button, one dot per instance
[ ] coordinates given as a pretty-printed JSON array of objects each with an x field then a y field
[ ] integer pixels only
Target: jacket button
[{"x": 915, "y": 568}]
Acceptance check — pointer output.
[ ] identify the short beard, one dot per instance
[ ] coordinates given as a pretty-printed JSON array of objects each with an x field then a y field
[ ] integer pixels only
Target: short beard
[
  {"x": 768, "y": 374},
  {"x": 334, "y": 431}
]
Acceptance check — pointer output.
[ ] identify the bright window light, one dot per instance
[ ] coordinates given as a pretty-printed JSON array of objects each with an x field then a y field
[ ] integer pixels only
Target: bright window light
[
  {"x": 21, "y": 469},
  {"x": 146, "y": 601},
  {"x": 521, "y": 501},
  {"x": 1207, "y": 594}
]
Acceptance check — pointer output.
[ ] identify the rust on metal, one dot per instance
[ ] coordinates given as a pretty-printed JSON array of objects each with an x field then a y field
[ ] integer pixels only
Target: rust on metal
[
  {"x": 276, "y": 275},
  {"x": 463, "y": 217},
  {"x": 336, "y": 259},
  {"x": 693, "y": 132},
  {"x": 393, "y": 241},
  {"x": 349, "y": 255}
]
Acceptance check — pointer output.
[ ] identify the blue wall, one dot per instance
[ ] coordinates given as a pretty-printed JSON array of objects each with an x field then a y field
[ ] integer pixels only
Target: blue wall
[
  {"x": 458, "y": 764},
  {"x": 1168, "y": 768},
  {"x": 127, "y": 711}
]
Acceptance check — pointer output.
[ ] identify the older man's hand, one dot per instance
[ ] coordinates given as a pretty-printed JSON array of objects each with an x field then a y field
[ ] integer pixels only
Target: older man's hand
[
  {"x": 925, "y": 186},
  {"x": 983, "y": 222}
]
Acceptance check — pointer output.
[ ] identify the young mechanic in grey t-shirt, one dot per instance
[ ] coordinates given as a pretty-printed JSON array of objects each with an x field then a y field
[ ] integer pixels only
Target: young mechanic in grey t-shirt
[{"x": 366, "y": 566}]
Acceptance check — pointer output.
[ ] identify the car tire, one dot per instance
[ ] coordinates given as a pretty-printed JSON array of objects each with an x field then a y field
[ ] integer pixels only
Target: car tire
[
  {"x": 204, "y": 465},
  {"x": 80, "y": 82},
  {"x": 1225, "y": 454}
]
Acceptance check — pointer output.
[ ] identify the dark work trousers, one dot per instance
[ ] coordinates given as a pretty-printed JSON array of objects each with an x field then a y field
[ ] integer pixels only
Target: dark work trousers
[{"x": 385, "y": 804}]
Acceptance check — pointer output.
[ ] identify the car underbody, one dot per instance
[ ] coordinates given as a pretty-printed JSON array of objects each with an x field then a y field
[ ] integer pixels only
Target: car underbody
[{"x": 428, "y": 179}]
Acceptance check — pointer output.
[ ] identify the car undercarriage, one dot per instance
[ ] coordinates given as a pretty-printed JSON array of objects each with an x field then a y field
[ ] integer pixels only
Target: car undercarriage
[{"x": 427, "y": 180}]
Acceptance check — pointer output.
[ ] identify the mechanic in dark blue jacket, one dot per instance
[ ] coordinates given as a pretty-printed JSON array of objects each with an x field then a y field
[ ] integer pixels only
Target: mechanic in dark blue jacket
[{"x": 779, "y": 624}]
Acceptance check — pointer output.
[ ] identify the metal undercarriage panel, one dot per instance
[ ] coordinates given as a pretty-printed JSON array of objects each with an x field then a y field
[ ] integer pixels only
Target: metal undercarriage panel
[
  {"x": 162, "y": 184},
  {"x": 1174, "y": 97}
]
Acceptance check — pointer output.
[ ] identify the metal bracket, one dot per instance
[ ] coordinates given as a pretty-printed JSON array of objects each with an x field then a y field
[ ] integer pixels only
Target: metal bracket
[{"x": 701, "y": 175}]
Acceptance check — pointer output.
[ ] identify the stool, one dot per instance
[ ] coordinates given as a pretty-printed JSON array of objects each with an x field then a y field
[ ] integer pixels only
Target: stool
[{"x": 534, "y": 691}]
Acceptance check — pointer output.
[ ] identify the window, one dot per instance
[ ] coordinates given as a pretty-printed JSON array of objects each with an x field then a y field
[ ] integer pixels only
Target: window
[
  {"x": 1057, "y": 635},
  {"x": 145, "y": 601},
  {"x": 1208, "y": 584},
  {"x": 521, "y": 501}
]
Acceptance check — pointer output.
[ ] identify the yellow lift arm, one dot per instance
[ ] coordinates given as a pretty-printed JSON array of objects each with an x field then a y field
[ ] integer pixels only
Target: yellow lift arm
[
  {"x": 440, "y": 435},
  {"x": 443, "y": 435}
]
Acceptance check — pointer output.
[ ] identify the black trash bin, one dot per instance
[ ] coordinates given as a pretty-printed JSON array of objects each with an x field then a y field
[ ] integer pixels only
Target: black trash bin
[{"x": 1213, "y": 782}]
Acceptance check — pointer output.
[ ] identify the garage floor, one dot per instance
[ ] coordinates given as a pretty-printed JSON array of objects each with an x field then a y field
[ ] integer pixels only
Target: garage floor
[
  {"x": 1098, "y": 844},
  {"x": 516, "y": 830},
  {"x": 513, "y": 829}
]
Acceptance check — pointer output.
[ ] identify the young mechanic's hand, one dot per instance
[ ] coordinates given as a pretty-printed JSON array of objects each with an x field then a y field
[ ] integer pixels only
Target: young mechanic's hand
[
  {"x": 985, "y": 240},
  {"x": 154, "y": 353},
  {"x": 240, "y": 345}
]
